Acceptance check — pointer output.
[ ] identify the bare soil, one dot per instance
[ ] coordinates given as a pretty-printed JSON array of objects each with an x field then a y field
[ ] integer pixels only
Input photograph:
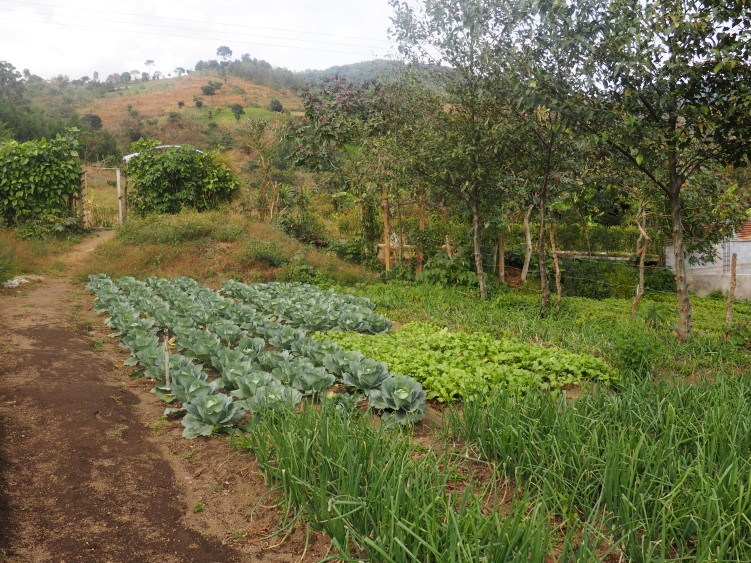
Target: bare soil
[{"x": 91, "y": 471}]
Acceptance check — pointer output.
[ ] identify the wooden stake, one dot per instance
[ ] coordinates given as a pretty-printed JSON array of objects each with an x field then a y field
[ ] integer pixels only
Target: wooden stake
[
  {"x": 386, "y": 226},
  {"x": 166, "y": 358},
  {"x": 557, "y": 268},
  {"x": 528, "y": 239},
  {"x": 502, "y": 258},
  {"x": 120, "y": 210},
  {"x": 421, "y": 229},
  {"x": 731, "y": 292}
]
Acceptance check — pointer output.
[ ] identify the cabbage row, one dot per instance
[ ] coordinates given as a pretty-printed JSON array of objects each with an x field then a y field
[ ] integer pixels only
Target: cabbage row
[
  {"x": 310, "y": 307},
  {"x": 262, "y": 364}
]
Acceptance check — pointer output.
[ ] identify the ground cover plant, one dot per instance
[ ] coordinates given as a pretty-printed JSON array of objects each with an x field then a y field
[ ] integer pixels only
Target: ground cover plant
[
  {"x": 260, "y": 362},
  {"x": 455, "y": 365}
]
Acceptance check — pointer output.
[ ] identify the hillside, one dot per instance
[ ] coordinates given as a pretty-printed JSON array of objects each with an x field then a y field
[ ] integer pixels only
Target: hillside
[{"x": 158, "y": 98}]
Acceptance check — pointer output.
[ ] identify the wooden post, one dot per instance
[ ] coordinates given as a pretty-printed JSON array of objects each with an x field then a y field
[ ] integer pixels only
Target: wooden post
[
  {"x": 166, "y": 359},
  {"x": 502, "y": 258},
  {"x": 449, "y": 252},
  {"x": 120, "y": 210},
  {"x": 642, "y": 246},
  {"x": 528, "y": 240},
  {"x": 731, "y": 293},
  {"x": 421, "y": 229},
  {"x": 386, "y": 226},
  {"x": 557, "y": 268}
]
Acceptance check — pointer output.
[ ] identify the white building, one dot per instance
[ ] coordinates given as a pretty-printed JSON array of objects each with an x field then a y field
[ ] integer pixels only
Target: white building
[{"x": 706, "y": 277}]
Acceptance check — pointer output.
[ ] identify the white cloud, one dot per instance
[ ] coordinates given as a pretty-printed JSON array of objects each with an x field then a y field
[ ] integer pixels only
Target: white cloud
[{"x": 77, "y": 37}]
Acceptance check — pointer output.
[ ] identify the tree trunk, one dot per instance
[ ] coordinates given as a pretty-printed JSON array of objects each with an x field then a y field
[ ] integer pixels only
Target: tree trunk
[
  {"x": 386, "y": 226},
  {"x": 400, "y": 228},
  {"x": 478, "y": 249},
  {"x": 420, "y": 255},
  {"x": 731, "y": 293},
  {"x": 642, "y": 247},
  {"x": 502, "y": 258},
  {"x": 449, "y": 251},
  {"x": 685, "y": 325},
  {"x": 556, "y": 265},
  {"x": 528, "y": 239},
  {"x": 541, "y": 251}
]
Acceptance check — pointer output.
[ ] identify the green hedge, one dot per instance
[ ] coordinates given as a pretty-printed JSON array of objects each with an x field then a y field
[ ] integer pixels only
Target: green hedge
[{"x": 38, "y": 179}]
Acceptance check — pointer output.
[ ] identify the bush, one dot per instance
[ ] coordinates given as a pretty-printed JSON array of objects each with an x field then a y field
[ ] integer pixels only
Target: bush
[
  {"x": 265, "y": 252},
  {"x": 38, "y": 179},
  {"x": 186, "y": 227},
  {"x": 276, "y": 106},
  {"x": 442, "y": 270},
  {"x": 170, "y": 180},
  {"x": 635, "y": 354},
  {"x": 51, "y": 225},
  {"x": 304, "y": 226}
]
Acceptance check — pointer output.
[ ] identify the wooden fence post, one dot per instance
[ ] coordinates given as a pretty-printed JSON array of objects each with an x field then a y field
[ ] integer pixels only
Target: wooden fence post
[
  {"x": 731, "y": 293},
  {"x": 120, "y": 210}
]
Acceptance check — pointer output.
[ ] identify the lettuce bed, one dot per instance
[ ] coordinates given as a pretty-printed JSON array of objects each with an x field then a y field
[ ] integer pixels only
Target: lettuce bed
[{"x": 454, "y": 365}]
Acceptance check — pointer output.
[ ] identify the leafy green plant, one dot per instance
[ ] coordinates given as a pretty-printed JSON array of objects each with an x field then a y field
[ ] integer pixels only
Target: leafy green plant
[
  {"x": 38, "y": 179},
  {"x": 210, "y": 413},
  {"x": 442, "y": 270},
  {"x": 455, "y": 365},
  {"x": 266, "y": 252},
  {"x": 402, "y": 398},
  {"x": 169, "y": 180}
]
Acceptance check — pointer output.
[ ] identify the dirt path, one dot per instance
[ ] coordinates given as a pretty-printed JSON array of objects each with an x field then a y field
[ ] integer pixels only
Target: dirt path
[{"x": 89, "y": 471}]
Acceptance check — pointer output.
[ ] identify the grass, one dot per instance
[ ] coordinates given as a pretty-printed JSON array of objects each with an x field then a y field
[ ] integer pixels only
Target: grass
[
  {"x": 22, "y": 256},
  {"x": 664, "y": 467},
  {"x": 212, "y": 247}
]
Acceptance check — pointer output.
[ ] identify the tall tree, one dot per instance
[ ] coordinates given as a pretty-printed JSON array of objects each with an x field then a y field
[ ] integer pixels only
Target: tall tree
[
  {"x": 460, "y": 35},
  {"x": 665, "y": 85}
]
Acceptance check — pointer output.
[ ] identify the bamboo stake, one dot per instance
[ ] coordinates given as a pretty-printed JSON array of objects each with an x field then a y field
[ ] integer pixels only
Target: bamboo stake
[{"x": 120, "y": 209}]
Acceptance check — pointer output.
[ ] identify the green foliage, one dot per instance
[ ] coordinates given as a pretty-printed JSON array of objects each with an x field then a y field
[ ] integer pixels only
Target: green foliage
[
  {"x": 184, "y": 227},
  {"x": 304, "y": 225},
  {"x": 60, "y": 226},
  {"x": 455, "y": 365},
  {"x": 169, "y": 180},
  {"x": 381, "y": 500},
  {"x": 401, "y": 398},
  {"x": 7, "y": 263},
  {"x": 636, "y": 354},
  {"x": 210, "y": 88},
  {"x": 442, "y": 270},
  {"x": 265, "y": 252},
  {"x": 275, "y": 105},
  {"x": 665, "y": 466},
  {"x": 237, "y": 110},
  {"x": 600, "y": 279},
  {"x": 38, "y": 180}
]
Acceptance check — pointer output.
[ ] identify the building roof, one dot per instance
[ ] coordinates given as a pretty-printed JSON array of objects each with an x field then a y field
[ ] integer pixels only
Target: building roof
[{"x": 745, "y": 232}]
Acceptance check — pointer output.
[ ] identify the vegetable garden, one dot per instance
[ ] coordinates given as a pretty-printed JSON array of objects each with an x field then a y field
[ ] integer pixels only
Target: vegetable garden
[{"x": 297, "y": 375}]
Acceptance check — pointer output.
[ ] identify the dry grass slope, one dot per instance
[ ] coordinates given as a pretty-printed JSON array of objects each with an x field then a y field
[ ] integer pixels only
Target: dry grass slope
[{"x": 156, "y": 99}]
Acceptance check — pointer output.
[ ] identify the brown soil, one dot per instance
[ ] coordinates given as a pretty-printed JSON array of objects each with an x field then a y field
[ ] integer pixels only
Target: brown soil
[{"x": 90, "y": 471}]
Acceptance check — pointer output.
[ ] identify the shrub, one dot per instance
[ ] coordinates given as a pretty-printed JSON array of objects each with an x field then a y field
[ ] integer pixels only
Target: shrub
[
  {"x": 167, "y": 181},
  {"x": 265, "y": 252},
  {"x": 442, "y": 270},
  {"x": 304, "y": 226},
  {"x": 38, "y": 179},
  {"x": 635, "y": 353},
  {"x": 276, "y": 106}
]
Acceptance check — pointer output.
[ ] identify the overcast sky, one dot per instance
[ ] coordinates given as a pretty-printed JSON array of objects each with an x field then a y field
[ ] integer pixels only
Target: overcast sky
[{"x": 78, "y": 37}]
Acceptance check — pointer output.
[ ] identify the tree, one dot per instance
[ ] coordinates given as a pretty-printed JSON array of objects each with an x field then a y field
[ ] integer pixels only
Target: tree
[
  {"x": 92, "y": 121},
  {"x": 179, "y": 71},
  {"x": 460, "y": 35},
  {"x": 666, "y": 87},
  {"x": 125, "y": 77},
  {"x": 145, "y": 77},
  {"x": 225, "y": 53},
  {"x": 149, "y": 63},
  {"x": 180, "y": 104},
  {"x": 238, "y": 111}
]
